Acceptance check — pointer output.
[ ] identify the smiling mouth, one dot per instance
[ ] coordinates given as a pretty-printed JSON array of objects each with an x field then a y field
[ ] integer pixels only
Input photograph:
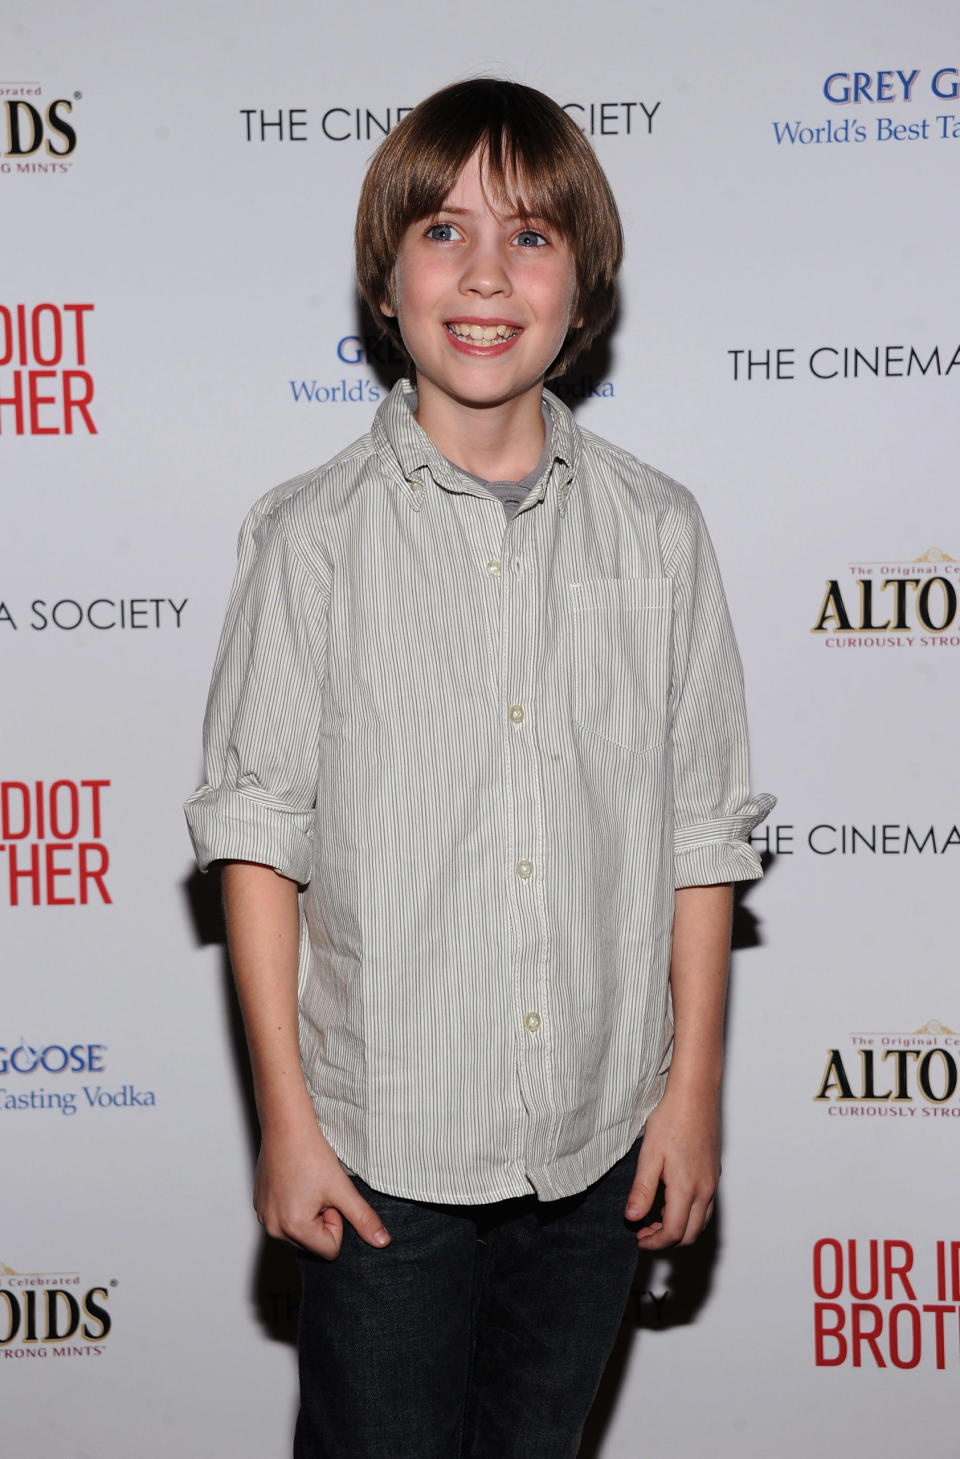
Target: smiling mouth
[{"x": 483, "y": 335}]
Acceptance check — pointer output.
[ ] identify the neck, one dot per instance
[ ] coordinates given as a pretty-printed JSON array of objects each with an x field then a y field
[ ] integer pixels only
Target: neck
[{"x": 499, "y": 442}]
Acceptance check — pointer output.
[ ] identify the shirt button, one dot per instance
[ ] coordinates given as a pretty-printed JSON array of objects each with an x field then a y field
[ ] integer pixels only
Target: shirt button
[
  {"x": 524, "y": 870},
  {"x": 515, "y": 714},
  {"x": 415, "y": 484},
  {"x": 493, "y": 567},
  {"x": 531, "y": 1022}
]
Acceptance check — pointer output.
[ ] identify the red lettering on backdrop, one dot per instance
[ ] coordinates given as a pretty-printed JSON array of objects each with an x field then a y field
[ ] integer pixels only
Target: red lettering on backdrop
[
  {"x": 954, "y": 1248},
  {"x": 866, "y": 1327},
  {"x": 868, "y": 1313},
  {"x": 828, "y": 1320},
  {"x": 47, "y": 392},
  {"x": 51, "y": 835}
]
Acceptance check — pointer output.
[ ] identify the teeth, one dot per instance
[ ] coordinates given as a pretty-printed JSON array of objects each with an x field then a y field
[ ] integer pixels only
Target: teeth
[{"x": 482, "y": 334}]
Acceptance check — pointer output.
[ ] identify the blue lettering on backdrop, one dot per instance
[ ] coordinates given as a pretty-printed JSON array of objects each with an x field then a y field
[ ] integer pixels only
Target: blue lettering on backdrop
[
  {"x": 884, "y": 88},
  {"x": 125, "y": 1098},
  {"x": 357, "y": 391},
  {"x": 853, "y": 87},
  {"x": 52, "y": 1058},
  {"x": 350, "y": 350},
  {"x": 941, "y": 86},
  {"x": 890, "y": 131},
  {"x": 829, "y": 131}
]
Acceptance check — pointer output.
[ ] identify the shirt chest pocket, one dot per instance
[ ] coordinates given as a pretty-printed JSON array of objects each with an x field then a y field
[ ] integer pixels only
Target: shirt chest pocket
[{"x": 621, "y": 659}]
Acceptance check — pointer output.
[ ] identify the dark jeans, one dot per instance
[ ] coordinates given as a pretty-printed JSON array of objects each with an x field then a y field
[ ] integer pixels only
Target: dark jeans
[{"x": 480, "y": 1332}]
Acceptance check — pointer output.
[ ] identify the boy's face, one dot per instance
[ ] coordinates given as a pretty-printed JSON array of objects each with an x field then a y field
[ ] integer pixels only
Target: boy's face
[{"x": 483, "y": 301}]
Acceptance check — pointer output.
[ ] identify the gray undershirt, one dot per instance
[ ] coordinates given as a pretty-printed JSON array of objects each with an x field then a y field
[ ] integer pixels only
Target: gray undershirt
[{"x": 510, "y": 494}]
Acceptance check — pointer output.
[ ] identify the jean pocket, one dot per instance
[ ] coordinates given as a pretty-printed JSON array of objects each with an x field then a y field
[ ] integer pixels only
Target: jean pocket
[{"x": 621, "y": 659}]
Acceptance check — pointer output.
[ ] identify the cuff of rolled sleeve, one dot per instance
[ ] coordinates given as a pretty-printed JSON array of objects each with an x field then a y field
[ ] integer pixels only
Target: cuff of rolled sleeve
[
  {"x": 231, "y": 825},
  {"x": 719, "y": 851}
]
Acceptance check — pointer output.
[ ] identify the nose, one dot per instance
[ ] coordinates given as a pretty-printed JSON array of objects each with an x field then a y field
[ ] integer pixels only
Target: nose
[{"x": 486, "y": 270}]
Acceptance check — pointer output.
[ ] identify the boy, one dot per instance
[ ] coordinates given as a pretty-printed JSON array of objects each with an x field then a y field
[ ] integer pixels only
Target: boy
[{"x": 478, "y": 698}]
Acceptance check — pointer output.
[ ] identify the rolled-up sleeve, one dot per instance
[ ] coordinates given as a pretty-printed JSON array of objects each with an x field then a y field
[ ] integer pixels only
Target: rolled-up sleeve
[
  {"x": 714, "y": 811},
  {"x": 257, "y": 802}
]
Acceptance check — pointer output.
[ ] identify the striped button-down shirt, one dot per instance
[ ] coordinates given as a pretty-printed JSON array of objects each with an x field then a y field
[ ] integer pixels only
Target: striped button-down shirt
[{"x": 489, "y": 751}]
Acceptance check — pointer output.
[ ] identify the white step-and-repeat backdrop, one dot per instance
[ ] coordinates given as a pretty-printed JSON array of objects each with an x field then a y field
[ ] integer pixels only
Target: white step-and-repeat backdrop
[{"x": 178, "y": 332}]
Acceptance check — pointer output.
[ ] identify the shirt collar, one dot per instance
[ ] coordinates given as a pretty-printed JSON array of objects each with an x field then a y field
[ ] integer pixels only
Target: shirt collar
[{"x": 414, "y": 459}]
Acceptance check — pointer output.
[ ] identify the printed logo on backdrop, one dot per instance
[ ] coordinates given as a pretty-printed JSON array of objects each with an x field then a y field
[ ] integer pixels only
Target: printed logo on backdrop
[
  {"x": 355, "y": 356},
  {"x": 63, "y": 1078},
  {"x": 101, "y": 614},
  {"x": 39, "y": 133},
  {"x": 886, "y": 1303},
  {"x": 841, "y": 362},
  {"x": 53, "y": 1315},
  {"x": 847, "y": 113},
  {"x": 890, "y": 604},
  {"x": 899, "y": 1076},
  {"x": 369, "y": 124},
  {"x": 46, "y": 384},
  {"x": 52, "y": 839},
  {"x": 866, "y": 840}
]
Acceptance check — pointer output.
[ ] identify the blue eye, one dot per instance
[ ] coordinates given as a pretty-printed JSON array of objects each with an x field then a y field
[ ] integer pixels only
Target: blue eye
[
  {"x": 530, "y": 239},
  {"x": 442, "y": 232}
]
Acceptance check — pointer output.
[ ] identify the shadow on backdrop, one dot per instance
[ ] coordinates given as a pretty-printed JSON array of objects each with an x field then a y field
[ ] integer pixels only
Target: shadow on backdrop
[
  {"x": 669, "y": 1291},
  {"x": 274, "y": 1281},
  {"x": 746, "y": 925}
]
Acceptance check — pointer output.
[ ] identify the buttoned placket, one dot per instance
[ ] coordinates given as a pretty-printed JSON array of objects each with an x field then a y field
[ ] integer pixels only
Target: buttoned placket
[
  {"x": 507, "y": 555},
  {"x": 528, "y": 855}
]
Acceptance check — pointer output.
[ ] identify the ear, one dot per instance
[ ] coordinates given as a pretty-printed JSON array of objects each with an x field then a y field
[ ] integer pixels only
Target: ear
[{"x": 387, "y": 305}]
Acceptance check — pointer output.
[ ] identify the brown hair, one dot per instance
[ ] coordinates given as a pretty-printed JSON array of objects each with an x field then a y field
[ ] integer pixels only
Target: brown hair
[{"x": 533, "y": 155}]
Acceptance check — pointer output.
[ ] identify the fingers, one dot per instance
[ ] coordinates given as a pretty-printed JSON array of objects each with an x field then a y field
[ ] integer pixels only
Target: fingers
[
  {"x": 316, "y": 1224},
  {"x": 685, "y": 1215},
  {"x": 643, "y": 1192},
  {"x": 700, "y": 1215},
  {"x": 363, "y": 1218},
  {"x": 325, "y": 1235}
]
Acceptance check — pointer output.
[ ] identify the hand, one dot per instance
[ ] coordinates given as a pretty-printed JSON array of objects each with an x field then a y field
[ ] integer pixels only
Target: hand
[
  {"x": 681, "y": 1148},
  {"x": 302, "y": 1194}
]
